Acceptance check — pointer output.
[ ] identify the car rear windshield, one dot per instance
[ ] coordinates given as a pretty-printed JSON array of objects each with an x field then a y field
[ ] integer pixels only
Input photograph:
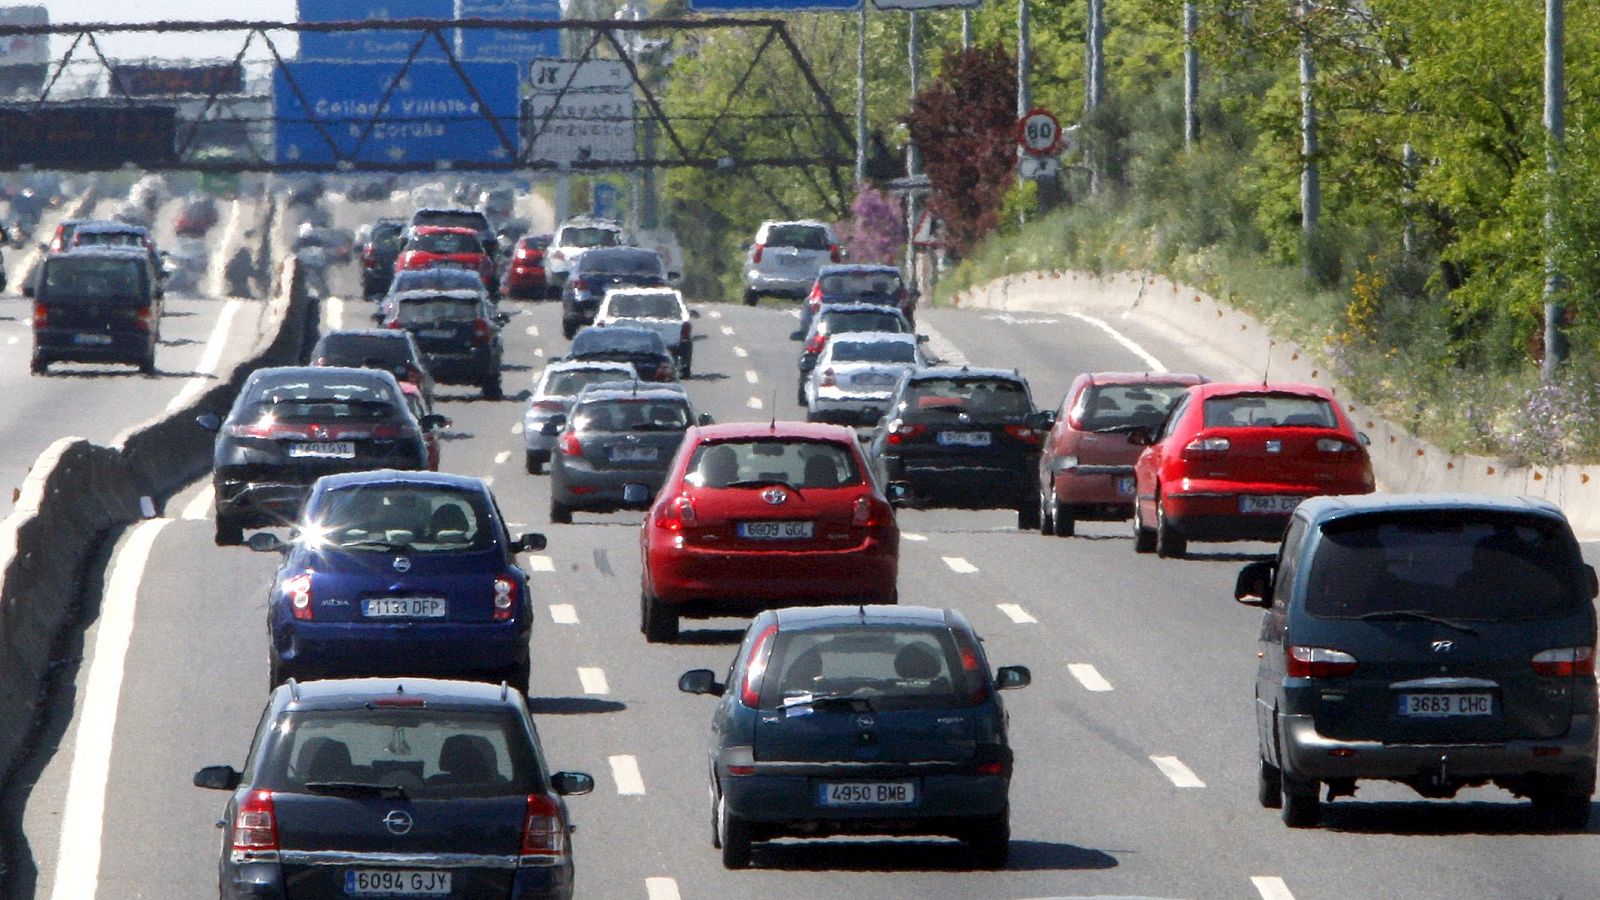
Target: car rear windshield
[
  {"x": 800, "y": 237},
  {"x": 93, "y": 278},
  {"x": 974, "y": 396},
  {"x": 590, "y": 237},
  {"x": 838, "y": 323},
  {"x": 440, "y": 279},
  {"x": 437, "y": 309},
  {"x": 382, "y": 518},
  {"x": 898, "y": 667},
  {"x": 1104, "y": 407},
  {"x": 768, "y": 461},
  {"x": 854, "y": 284},
  {"x": 1453, "y": 565},
  {"x": 108, "y": 239},
  {"x": 358, "y": 350},
  {"x": 453, "y": 219},
  {"x": 1269, "y": 410},
  {"x": 614, "y": 263},
  {"x": 317, "y": 399},
  {"x": 569, "y": 383},
  {"x": 643, "y": 306},
  {"x": 616, "y": 340},
  {"x": 631, "y": 415},
  {"x": 445, "y": 243},
  {"x": 874, "y": 351},
  {"x": 428, "y": 753}
]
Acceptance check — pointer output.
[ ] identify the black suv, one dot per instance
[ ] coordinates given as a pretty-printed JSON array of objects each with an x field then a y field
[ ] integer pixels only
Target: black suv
[
  {"x": 96, "y": 305},
  {"x": 597, "y": 271},
  {"x": 378, "y": 253},
  {"x": 392, "y": 350},
  {"x": 386, "y": 787},
  {"x": 1442, "y": 641},
  {"x": 458, "y": 331}
]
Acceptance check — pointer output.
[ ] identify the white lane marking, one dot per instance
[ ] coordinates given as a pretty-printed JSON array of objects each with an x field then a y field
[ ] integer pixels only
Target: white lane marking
[
  {"x": 501, "y": 457},
  {"x": 593, "y": 680},
  {"x": 200, "y": 507},
  {"x": 1017, "y": 614},
  {"x": 1271, "y": 887},
  {"x": 1126, "y": 342},
  {"x": 751, "y": 376},
  {"x": 625, "y": 771},
  {"x": 77, "y": 875},
  {"x": 727, "y": 330},
  {"x": 12, "y": 340},
  {"x": 714, "y": 313},
  {"x": 662, "y": 888},
  {"x": 564, "y": 613},
  {"x": 959, "y": 565},
  {"x": 538, "y": 351},
  {"x": 533, "y": 330},
  {"x": 1178, "y": 773},
  {"x": 541, "y": 564},
  {"x": 517, "y": 428},
  {"x": 941, "y": 347},
  {"x": 737, "y": 351},
  {"x": 754, "y": 403},
  {"x": 1088, "y": 676},
  {"x": 210, "y": 359},
  {"x": 488, "y": 481},
  {"x": 913, "y": 536},
  {"x": 335, "y": 310}
]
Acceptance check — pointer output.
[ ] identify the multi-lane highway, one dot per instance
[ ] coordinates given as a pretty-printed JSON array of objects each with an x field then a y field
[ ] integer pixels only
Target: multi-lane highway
[{"x": 1135, "y": 771}]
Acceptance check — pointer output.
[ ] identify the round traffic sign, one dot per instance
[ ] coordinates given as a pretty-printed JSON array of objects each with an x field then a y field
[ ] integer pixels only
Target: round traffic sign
[{"x": 1039, "y": 133}]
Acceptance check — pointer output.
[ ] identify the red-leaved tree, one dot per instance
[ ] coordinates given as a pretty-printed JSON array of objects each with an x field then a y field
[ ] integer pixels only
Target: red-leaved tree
[
  {"x": 875, "y": 231},
  {"x": 965, "y": 126}
]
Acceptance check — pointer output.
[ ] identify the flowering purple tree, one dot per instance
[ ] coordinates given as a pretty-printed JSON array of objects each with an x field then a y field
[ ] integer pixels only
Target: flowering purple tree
[{"x": 875, "y": 232}]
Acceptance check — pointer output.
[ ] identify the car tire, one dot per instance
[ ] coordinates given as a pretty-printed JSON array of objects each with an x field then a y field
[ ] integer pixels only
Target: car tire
[
  {"x": 560, "y": 513},
  {"x": 568, "y": 328},
  {"x": 229, "y": 533},
  {"x": 533, "y": 462},
  {"x": 1144, "y": 539},
  {"x": 800, "y": 394},
  {"x": 491, "y": 388},
  {"x": 517, "y": 676},
  {"x": 1062, "y": 524},
  {"x": 277, "y": 672},
  {"x": 658, "y": 620},
  {"x": 990, "y": 839},
  {"x": 1028, "y": 515},
  {"x": 147, "y": 366},
  {"x": 1564, "y": 806},
  {"x": 39, "y": 366},
  {"x": 734, "y": 834},
  {"x": 1169, "y": 544},
  {"x": 1302, "y": 808},
  {"x": 716, "y": 829},
  {"x": 751, "y": 298},
  {"x": 1269, "y": 785},
  {"x": 686, "y": 367}
]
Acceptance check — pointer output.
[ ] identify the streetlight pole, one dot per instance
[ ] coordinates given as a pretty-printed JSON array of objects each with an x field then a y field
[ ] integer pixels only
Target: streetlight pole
[
  {"x": 1310, "y": 177},
  {"x": 1555, "y": 126}
]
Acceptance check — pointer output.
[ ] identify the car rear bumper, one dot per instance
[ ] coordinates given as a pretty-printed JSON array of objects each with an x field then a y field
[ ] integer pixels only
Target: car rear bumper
[
  {"x": 789, "y": 803},
  {"x": 461, "y": 368},
  {"x": 794, "y": 285},
  {"x": 602, "y": 490},
  {"x": 64, "y": 346},
  {"x": 849, "y": 410},
  {"x": 1309, "y": 755},
  {"x": 1104, "y": 488},
  {"x": 358, "y": 649},
  {"x": 974, "y": 484},
  {"x": 259, "y": 503},
  {"x": 706, "y": 583},
  {"x": 256, "y": 880}
]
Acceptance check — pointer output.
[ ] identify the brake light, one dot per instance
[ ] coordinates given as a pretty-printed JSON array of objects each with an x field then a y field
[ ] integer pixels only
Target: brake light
[
  {"x": 972, "y": 667},
  {"x": 549, "y": 404},
  {"x": 905, "y": 432},
  {"x": 569, "y": 444},
  {"x": 869, "y": 513},
  {"x": 143, "y": 319},
  {"x": 255, "y": 823},
  {"x": 41, "y": 316},
  {"x": 544, "y": 834},
  {"x": 1025, "y": 434},
  {"x": 664, "y": 372},
  {"x": 817, "y": 342},
  {"x": 1337, "y": 446},
  {"x": 297, "y": 591},
  {"x": 677, "y": 514},
  {"x": 833, "y": 252},
  {"x": 1317, "y": 662},
  {"x": 684, "y": 333},
  {"x": 368, "y": 256},
  {"x": 1565, "y": 662},
  {"x": 389, "y": 431},
  {"x": 756, "y": 256},
  {"x": 504, "y": 592},
  {"x": 828, "y": 379},
  {"x": 578, "y": 284},
  {"x": 393, "y": 324},
  {"x": 557, "y": 255},
  {"x": 760, "y": 652},
  {"x": 1206, "y": 448},
  {"x": 482, "y": 331},
  {"x": 814, "y": 299}
]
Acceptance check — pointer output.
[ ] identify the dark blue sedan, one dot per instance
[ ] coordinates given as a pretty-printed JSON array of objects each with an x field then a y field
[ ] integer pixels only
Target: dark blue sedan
[
  {"x": 400, "y": 573},
  {"x": 860, "y": 720}
]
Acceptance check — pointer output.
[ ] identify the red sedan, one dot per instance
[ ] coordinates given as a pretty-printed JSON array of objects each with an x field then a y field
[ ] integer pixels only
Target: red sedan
[
  {"x": 429, "y": 246},
  {"x": 1086, "y": 466},
  {"x": 755, "y": 516},
  {"x": 525, "y": 278},
  {"x": 1233, "y": 461}
]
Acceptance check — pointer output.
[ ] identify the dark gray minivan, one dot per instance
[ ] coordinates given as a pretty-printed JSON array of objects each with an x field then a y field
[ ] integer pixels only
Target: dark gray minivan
[
  {"x": 1438, "y": 640},
  {"x": 96, "y": 305}
]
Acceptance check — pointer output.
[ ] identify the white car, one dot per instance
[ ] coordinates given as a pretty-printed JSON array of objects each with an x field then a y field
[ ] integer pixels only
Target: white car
[
  {"x": 856, "y": 373},
  {"x": 661, "y": 310},
  {"x": 553, "y": 393},
  {"x": 572, "y": 237},
  {"x": 785, "y": 257}
]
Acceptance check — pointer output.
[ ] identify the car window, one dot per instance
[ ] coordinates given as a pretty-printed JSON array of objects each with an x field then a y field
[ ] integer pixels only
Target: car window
[
  {"x": 631, "y": 415},
  {"x": 838, "y": 323},
  {"x": 453, "y": 219},
  {"x": 437, "y": 279},
  {"x": 872, "y": 351},
  {"x": 569, "y": 382},
  {"x": 423, "y": 518},
  {"x": 1456, "y": 567},
  {"x": 800, "y": 237},
  {"x": 888, "y": 667},
  {"x": 993, "y": 396},
  {"x": 1106, "y": 406},
  {"x": 861, "y": 283},
  {"x": 356, "y": 350},
  {"x": 1176, "y": 416},
  {"x": 579, "y": 236},
  {"x": 622, "y": 263},
  {"x": 617, "y": 340},
  {"x": 753, "y": 463},
  {"x": 445, "y": 243},
  {"x": 643, "y": 306},
  {"x": 1267, "y": 410},
  {"x": 108, "y": 239},
  {"x": 429, "y": 753},
  {"x": 88, "y": 276},
  {"x": 439, "y": 309}
]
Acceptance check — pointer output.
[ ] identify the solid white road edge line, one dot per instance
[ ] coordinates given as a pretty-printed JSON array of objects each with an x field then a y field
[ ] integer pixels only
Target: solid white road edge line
[
  {"x": 1271, "y": 887},
  {"x": 959, "y": 565},
  {"x": 335, "y": 312},
  {"x": 209, "y": 359},
  {"x": 625, "y": 771},
  {"x": 662, "y": 888},
  {"x": 1017, "y": 614},
  {"x": 593, "y": 680},
  {"x": 1178, "y": 773},
  {"x": 77, "y": 874},
  {"x": 1126, "y": 342},
  {"x": 1088, "y": 676},
  {"x": 199, "y": 508},
  {"x": 564, "y": 613}
]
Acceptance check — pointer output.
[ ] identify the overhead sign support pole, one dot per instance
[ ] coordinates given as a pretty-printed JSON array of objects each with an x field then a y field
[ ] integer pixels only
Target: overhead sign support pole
[{"x": 861, "y": 98}]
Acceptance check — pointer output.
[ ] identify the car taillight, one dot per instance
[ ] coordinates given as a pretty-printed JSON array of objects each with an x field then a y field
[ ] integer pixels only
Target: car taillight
[
  {"x": 674, "y": 516},
  {"x": 504, "y": 598},
  {"x": 390, "y": 431},
  {"x": 144, "y": 318},
  {"x": 1206, "y": 448},
  {"x": 972, "y": 667},
  {"x": 833, "y": 252},
  {"x": 817, "y": 342},
  {"x": 1317, "y": 662},
  {"x": 578, "y": 284},
  {"x": 905, "y": 432},
  {"x": 869, "y": 513},
  {"x": 368, "y": 256},
  {"x": 557, "y": 255},
  {"x": 755, "y": 667},
  {"x": 255, "y": 823},
  {"x": 41, "y": 316},
  {"x": 1565, "y": 662},
  {"x": 1025, "y": 434},
  {"x": 756, "y": 256},
  {"x": 569, "y": 444},
  {"x": 814, "y": 299},
  {"x": 664, "y": 372},
  {"x": 828, "y": 379},
  {"x": 544, "y": 834},
  {"x": 482, "y": 331},
  {"x": 685, "y": 333},
  {"x": 1337, "y": 447},
  {"x": 297, "y": 591}
]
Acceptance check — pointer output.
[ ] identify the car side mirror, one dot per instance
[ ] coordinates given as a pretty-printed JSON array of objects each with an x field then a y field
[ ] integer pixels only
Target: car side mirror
[
  {"x": 1141, "y": 437},
  {"x": 209, "y": 421},
  {"x": 808, "y": 362},
  {"x": 377, "y": 318},
  {"x": 674, "y": 277},
  {"x": 922, "y": 339},
  {"x": 432, "y": 421},
  {"x": 700, "y": 681},
  {"x": 694, "y": 313},
  {"x": 1254, "y": 585},
  {"x": 568, "y": 784},
  {"x": 266, "y": 542},
  {"x": 502, "y": 319},
  {"x": 1009, "y": 678},
  {"x": 1362, "y": 437},
  {"x": 704, "y": 419},
  {"x": 898, "y": 492},
  {"x": 531, "y": 542},
  {"x": 554, "y": 424},
  {"x": 217, "y": 778},
  {"x": 1042, "y": 419},
  {"x": 915, "y": 293}
]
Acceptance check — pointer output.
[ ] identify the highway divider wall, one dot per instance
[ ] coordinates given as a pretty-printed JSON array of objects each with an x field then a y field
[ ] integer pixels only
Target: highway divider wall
[{"x": 77, "y": 491}]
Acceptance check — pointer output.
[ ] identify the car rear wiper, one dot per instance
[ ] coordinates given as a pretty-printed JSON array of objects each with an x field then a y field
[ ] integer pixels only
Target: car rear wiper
[
  {"x": 374, "y": 544},
  {"x": 827, "y": 703},
  {"x": 356, "y": 788},
  {"x": 1416, "y": 615}
]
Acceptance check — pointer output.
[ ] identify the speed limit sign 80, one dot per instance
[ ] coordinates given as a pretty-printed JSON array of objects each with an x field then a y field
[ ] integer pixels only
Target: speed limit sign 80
[{"x": 1039, "y": 133}]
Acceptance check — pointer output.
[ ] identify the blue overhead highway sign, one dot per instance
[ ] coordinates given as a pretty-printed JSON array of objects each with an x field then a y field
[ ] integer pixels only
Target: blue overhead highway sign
[
  {"x": 506, "y": 43},
  {"x": 431, "y": 116},
  {"x": 368, "y": 44},
  {"x": 773, "y": 6}
]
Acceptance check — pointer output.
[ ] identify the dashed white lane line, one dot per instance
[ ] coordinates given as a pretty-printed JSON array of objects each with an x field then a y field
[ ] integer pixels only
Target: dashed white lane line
[
  {"x": 625, "y": 771},
  {"x": 941, "y": 347},
  {"x": 593, "y": 680},
  {"x": 538, "y": 351},
  {"x": 1179, "y": 774},
  {"x": 1271, "y": 887},
  {"x": 714, "y": 313},
  {"x": 564, "y": 613},
  {"x": 752, "y": 376},
  {"x": 200, "y": 507},
  {"x": 532, "y": 330},
  {"x": 662, "y": 888},
  {"x": 209, "y": 359},
  {"x": 913, "y": 536},
  {"x": 959, "y": 565},
  {"x": 334, "y": 308},
  {"x": 12, "y": 340},
  {"x": 488, "y": 481},
  {"x": 727, "y": 330},
  {"x": 737, "y": 351},
  {"x": 541, "y": 564},
  {"x": 501, "y": 457},
  {"x": 517, "y": 428},
  {"x": 1017, "y": 614},
  {"x": 1088, "y": 676},
  {"x": 77, "y": 873},
  {"x": 1127, "y": 343},
  {"x": 754, "y": 403}
]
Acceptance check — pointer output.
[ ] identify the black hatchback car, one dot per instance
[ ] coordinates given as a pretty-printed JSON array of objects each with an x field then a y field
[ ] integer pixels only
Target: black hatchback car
[
  {"x": 860, "y": 720},
  {"x": 1442, "y": 641},
  {"x": 378, "y": 253},
  {"x": 642, "y": 347},
  {"x": 395, "y": 787},
  {"x": 614, "y": 451},
  {"x": 964, "y": 437},
  {"x": 289, "y": 426},
  {"x": 598, "y": 270},
  {"x": 458, "y": 331},
  {"x": 392, "y": 350}
]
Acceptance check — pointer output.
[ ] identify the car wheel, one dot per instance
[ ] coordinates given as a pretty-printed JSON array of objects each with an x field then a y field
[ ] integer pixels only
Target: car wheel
[
  {"x": 517, "y": 676},
  {"x": 568, "y": 328},
  {"x": 147, "y": 366},
  {"x": 751, "y": 298},
  {"x": 533, "y": 462},
  {"x": 1028, "y": 515},
  {"x": 1565, "y": 806},
  {"x": 1169, "y": 544},
  {"x": 658, "y": 620},
  {"x": 990, "y": 839},
  {"x": 1047, "y": 522},
  {"x": 1144, "y": 539},
  {"x": 277, "y": 672},
  {"x": 716, "y": 827},
  {"x": 800, "y": 394},
  {"x": 229, "y": 532},
  {"x": 39, "y": 366},
  {"x": 686, "y": 367},
  {"x": 1269, "y": 785},
  {"x": 491, "y": 388},
  {"x": 1301, "y": 806},
  {"x": 560, "y": 513},
  {"x": 734, "y": 833},
  {"x": 1061, "y": 522}
]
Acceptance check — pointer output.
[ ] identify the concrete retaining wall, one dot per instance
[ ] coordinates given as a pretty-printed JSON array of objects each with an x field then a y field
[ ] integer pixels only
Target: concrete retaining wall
[{"x": 1233, "y": 345}]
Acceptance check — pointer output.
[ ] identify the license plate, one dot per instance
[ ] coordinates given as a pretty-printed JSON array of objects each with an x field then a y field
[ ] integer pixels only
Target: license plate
[
  {"x": 324, "y": 450},
  {"x": 1125, "y": 486},
  {"x": 92, "y": 339},
  {"x": 396, "y": 882},
  {"x": 1437, "y": 705},
  {"x": 1270, "y": 504},
  {"x": 874, "y": 378},
  {"x": 776, "y": 531},
  {"x": 965, "y": 438},
  {"x": 635, "y": 493},
  {"x": 404, "y": 608},
  {"x": 867, "y": 793},
  {"x": 634, "y": 454},
  {"x": 436, "y": 333}
]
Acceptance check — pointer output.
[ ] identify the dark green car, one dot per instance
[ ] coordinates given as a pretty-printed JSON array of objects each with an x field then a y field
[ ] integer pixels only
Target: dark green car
[{"x": 1440, "y": 641}]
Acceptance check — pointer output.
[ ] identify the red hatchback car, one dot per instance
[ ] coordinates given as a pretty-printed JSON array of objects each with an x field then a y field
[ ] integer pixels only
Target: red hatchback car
[
  {"x": 755, "y": 516},
  {"x": 443, "y": 245},
  {"x": 525, "y": 278},
  {"x": 1086, "y": 465},
  {"x": 1232, "y": 462}
]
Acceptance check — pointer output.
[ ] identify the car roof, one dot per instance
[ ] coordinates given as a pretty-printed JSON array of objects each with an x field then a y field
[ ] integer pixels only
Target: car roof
[
  {"x": 594, "y": 253},
  {"x": 618, "y": 331},
  {"x": 780, "y": 429},
  {"x": 963, "y": 372},
  {"x": 591, "y": 222},
  {"x": 398, "y": 476},
  {"x": 608, "y": 391},
  {"x": 625, "y": 289},
  {"x": 858, "y": 308},
  {"x": 454, "y": 210},
  {"x": 1326, "y": 508},
  {"x": 106, "y": 226},
  {"x": 445, "y": 229},
  {"x": 103, "y": 251},
  {"x": 436, "y": 294},
  {"x": 796, "y": 618},
  {"x": 320, "y": 373},
  {"x": 388, "y": 334},
  {"x": 1229, "y": 388},
  {"x": 357, "y": 693},
  {"x": 846, "y": 268},
  {"x": 563, "y": 365},
  {"x": 1114, "y": 378},
  {"x": 883, "y": 337},
  {"x": 773, "y": 223}
]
